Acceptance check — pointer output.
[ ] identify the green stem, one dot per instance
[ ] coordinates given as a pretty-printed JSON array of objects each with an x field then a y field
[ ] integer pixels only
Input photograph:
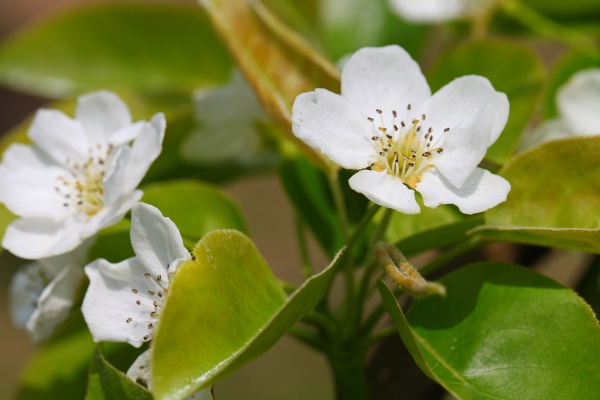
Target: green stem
[
  {"x": 372, "y": 266},
  {"x": 347, "y": 264},
  {"x": 349, "y": 374},
  {"x": 376, "y": 314},
  {"x": 544, "y": 26},
  {"x": 307, "y": 269},
  {"x": 308, "y": 337},
  {"x": 320, "y": 321},
  {"x": 450, "y": 255},
  {"x": 380, "y": 335}
]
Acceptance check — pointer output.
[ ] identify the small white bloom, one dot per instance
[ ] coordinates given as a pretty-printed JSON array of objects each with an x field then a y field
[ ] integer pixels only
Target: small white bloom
[
  {"x": 79, "y": 176},
  {"x": 578, "y": 103},
  {"x": 124, "y": 300},
  {"x": 42, "y": 293},
  {"x": 228, "y": 119},
  {"x": 440, "y": 10},
  {"x": 140, "y": 372},
  {"x": 387, "y": 119}
]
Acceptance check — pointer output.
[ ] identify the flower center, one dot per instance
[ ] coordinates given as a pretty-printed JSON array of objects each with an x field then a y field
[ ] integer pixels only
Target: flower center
[
  {"x": 84, "y": 189},
  {"x": 405, "y": 148}
]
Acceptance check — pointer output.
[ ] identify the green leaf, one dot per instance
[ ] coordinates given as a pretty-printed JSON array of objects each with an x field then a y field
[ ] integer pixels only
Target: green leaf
[
  {"x": 503, "y": 332},
  {"x": 108, "y": 383},
  {"x": 438, "y": 237},
  {"x": 277, "y": 62},
  {"x": 403, "y": 226},
  {"x": 555, "y": 191},
  {"x": 142, "y": 47},
  {"x": 195, "y": 207},
  {"x": 225, "y": 308},
  {"x": 498, "y": 62}
]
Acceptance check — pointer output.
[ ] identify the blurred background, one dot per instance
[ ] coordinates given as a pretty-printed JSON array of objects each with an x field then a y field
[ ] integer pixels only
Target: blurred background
[{"x": 289, "y": 370}]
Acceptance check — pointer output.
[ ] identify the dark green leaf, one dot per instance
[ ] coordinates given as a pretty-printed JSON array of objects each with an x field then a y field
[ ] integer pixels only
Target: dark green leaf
[
  {"x": 555, "y": 192},
  {"x": 108, "y": 383},
  {"x": 498, "y": 62},
  {"x": 435, "y": 238},
  {"x": 195, "y": 207},
  {"x": 149, "y": 48},
  {"x": 503, "y": 332},
  {"x": 225, "y": 308}
]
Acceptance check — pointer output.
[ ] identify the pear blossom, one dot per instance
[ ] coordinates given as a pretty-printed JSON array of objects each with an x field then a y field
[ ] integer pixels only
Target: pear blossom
[
  {"x": 387, "y": 121},
  {"x": 42, "y": 293},
  {"x": 578, "y": 103},
  {"x": 228, "y": 118},
  {"x": 79, "y": 176},
  {"x": 124, "y": 301},
  {"x": 440, "y": 10}
]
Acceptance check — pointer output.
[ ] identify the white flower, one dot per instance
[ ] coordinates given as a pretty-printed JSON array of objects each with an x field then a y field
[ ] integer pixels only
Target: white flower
[
  {"x": 140, "y": 372},
  {"x": 228, "y": 117},
  {"x": 42, "y": 293},
  {"x": 387, "y": 119},
  {"x": 79, "y": 176},
  {"x": 124, "y": 300},
  {"x": 578, "y": 103},
  {"x": 440, "y": 10}
]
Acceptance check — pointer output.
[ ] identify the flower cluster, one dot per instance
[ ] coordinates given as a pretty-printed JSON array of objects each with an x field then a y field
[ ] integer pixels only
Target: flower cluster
[
  {"x": 386, "y": 120},
  {"x": 79, "y": 176}
]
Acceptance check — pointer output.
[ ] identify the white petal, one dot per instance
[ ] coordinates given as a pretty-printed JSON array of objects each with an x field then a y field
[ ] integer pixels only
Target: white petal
[
  {"x": 235, "y": 100},
  {"x": 114, "y": 180},
  {"x": 155, "y": 239},
  {"x": 547, "y": 131},
  {"x": 579, "y": 102},
  {"x": 59, "y": 136},
  {"x": 329, "y": 123},
  {"x": 110, "y": 301},
  {"x": 111, "y": 214},
  {"x": 385, "y": 190},
  {"x": 30, "y": 192},
  {"x": 465, "y": 145},
  {"x": 385, "y": 78},
  {"x": 460, "y": 99},
  {"x": 437, "y": 10},
  {"x": 19, "y": 155},
  {"x": 228, "y": 117},
  {"x": 55, "y": 303},
  {"x": 35, "y": 238},
  {"x": 140, "y": 369},
  {"x": 126, "y": 135},
  {"x": 145, "y": 149},
  {"x": 25, "y": 289},
  {"x": 481, "y": 191},
  {"x": 101, "y": 114},
  {"x": 43, "y": 292}
]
